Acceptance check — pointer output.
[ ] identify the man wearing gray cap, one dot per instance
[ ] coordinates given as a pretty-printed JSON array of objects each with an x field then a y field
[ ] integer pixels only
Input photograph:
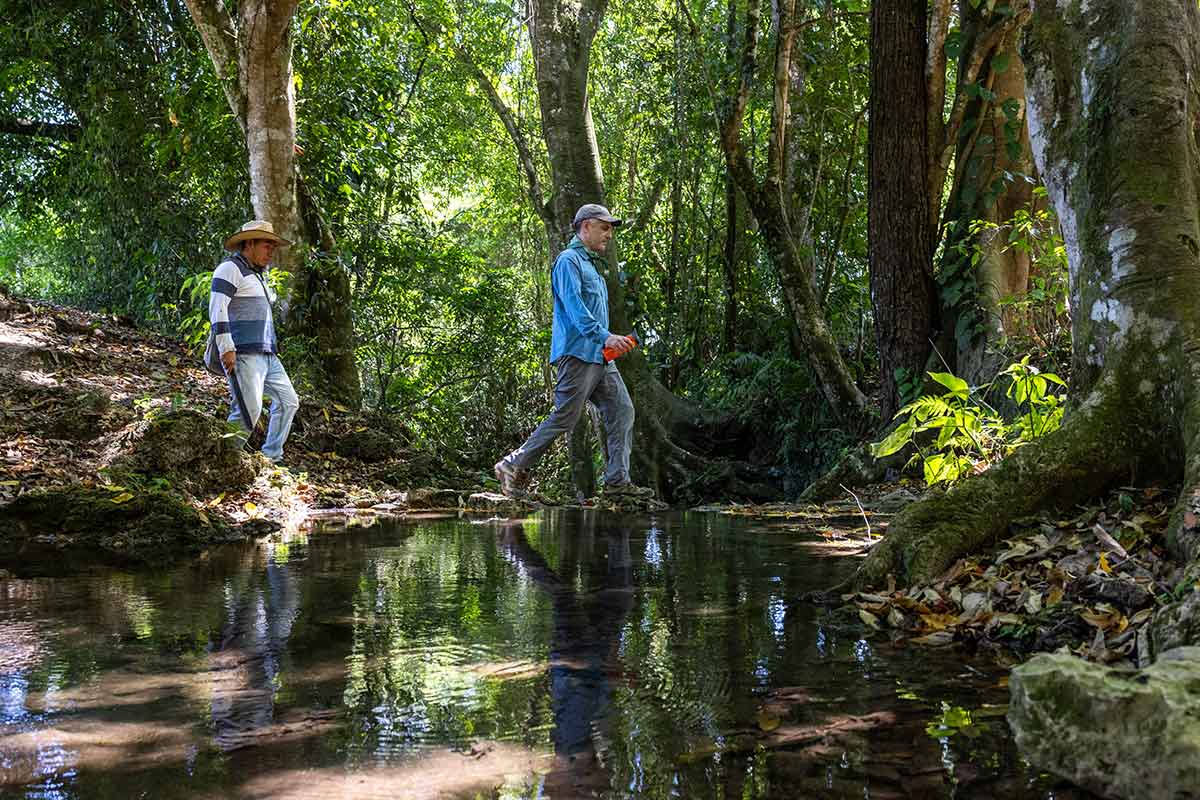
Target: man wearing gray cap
[{"x": 579, "y": 338}]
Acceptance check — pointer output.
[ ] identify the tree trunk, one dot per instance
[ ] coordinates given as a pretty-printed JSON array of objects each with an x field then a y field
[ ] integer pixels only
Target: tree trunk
[
  {"x": 1113, "y": 111},
  {"x": 253, "y": 63},
  {"x": 900, "y": 231},
  {"x": 729, "y": 264},
  {"x": 790, "y": 252},
  {"x": 991, "y": 183}
]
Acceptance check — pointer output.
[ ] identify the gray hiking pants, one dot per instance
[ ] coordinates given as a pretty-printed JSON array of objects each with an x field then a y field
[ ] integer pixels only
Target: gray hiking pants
[{"x": 578, "y": 383}]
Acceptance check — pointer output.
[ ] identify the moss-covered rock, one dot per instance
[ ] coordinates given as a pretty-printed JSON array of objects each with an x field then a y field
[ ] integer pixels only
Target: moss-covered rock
[
  {"x": 369, "y": 446},
  {"x": 83, "y": 420},
  {"x": 1120, "y": 734},
  {"x": 140, "y": 527},
  {"x": 431, "y": 498},
  {"x": 192, "y": 451},
  {"x": 1176, "y": 625}
]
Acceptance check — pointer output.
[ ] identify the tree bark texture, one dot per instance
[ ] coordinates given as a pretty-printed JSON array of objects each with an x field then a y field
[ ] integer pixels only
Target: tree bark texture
[
  {"x": 992, "y": 181},
  {"x": 790, "y": 252},
  {"x": 1113, "y": 110},
  {"x": 252, "y": 58},
  {"x": 903, "y": 294}
]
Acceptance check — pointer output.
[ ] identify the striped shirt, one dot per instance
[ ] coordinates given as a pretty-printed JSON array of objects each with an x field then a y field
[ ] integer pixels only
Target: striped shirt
[{"x": 239, "y": 308}]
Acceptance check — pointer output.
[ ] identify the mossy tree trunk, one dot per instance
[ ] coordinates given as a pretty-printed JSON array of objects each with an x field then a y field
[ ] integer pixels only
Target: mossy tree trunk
[
  {"x": 252, "y": 57},
  {"x": 993, "y": 180},
  {"x": 1113, "y": 109}
]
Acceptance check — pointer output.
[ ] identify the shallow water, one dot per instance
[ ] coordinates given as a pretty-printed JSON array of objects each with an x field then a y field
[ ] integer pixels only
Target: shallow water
[{"x": 575, "y": 654}]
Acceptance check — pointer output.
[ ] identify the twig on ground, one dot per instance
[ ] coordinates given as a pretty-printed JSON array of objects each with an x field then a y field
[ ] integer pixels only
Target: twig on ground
[{"x": 861, "y": 510}]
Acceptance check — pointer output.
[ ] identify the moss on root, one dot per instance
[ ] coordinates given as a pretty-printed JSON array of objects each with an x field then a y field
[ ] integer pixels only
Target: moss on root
[
  {"x": 1071, "y": 465},
  {"x": 151, "y": 527}
]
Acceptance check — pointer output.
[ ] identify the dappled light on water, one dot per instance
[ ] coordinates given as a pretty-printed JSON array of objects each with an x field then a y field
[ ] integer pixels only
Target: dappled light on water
[{"x": 568, "y": 655}]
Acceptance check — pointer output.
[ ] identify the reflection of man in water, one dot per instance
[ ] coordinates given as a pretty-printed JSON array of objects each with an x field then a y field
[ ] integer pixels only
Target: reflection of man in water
[
  {"x": 246, "y": 661},
  {"x": 583, "y": 650}
]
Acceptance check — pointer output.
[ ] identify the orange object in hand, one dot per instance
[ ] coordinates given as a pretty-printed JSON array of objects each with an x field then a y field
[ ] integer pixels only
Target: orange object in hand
[{"x": 610, "y": 354}]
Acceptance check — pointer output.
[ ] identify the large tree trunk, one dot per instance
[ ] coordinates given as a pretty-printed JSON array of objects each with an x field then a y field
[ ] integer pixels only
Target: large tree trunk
[
  {"x": 900, "y": 227},
  {"x": 1113, "y": 111},
  {"x": 992, "y": 182},
  {"x": 253, "y": 62}
]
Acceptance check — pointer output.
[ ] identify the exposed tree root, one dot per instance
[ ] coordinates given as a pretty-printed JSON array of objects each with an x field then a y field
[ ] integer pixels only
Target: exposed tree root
[{"x": 1075, "y": 463}]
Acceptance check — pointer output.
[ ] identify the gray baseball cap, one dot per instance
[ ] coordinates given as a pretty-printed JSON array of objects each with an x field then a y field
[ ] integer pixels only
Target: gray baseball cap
[{"x": 596, "y": 211}]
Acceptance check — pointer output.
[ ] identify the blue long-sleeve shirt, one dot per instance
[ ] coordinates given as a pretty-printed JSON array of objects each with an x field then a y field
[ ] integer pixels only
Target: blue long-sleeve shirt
[{"x": 580, "y": 305}]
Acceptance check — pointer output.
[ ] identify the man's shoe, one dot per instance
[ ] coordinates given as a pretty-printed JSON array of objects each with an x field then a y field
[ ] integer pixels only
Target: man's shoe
[
  {"x": 628, "y": 490},
  {"x": 510, "y": 479}
]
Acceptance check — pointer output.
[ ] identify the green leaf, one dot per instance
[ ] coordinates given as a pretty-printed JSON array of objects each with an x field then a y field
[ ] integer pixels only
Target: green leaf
[
  {"x": 957, "y": 386},
  {"x": 893, "y": 442},
  {"x": 1000, "y": 63}
]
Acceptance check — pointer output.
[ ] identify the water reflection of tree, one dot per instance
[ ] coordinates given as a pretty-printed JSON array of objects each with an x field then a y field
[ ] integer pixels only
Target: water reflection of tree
[
  {"x": 584, "y": 645},
  {"x": 430, "y": 621}
]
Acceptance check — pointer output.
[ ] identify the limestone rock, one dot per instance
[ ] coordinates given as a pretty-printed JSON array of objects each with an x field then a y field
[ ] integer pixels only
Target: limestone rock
[
  {"x": 1118, "y": 733},
  {"x": 1176, "y": 625},
  {"x": 491, "y": 501},
  {"x": 429, "y": 498},
  {"x": 191, "y": 450}
]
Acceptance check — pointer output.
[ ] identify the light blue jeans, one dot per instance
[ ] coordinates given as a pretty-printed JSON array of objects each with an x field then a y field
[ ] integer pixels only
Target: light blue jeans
[{"x": 261, "y": 374}]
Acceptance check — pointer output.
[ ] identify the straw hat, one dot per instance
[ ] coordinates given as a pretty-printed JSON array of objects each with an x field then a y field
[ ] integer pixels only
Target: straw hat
[{"x": 255, "y": 229}]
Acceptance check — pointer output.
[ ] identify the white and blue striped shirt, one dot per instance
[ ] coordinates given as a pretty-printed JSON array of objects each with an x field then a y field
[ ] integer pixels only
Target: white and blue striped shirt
[{"x": 239, "y": 308}]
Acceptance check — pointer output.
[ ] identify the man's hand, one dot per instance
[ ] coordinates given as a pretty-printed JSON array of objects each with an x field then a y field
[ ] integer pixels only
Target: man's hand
[
  {"x": 620, "y": 344},
  {"x": 229, "y": 360}
]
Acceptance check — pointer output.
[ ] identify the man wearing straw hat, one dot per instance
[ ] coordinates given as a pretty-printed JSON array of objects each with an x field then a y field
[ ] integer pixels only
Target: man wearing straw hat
[{"x": 242, "y": 344}]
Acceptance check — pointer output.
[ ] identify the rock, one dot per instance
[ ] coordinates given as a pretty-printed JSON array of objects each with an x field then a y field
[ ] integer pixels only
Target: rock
[
  {"x": 368, "y": 446},
  {"x": 1123, "y": 593},
  {"x": 129, "y": 526},
  {"x": 1176, "y": 625},
  {"x": 84, "y": 421},
  {"x": 331, "y": 498},
  {"x": 64, "y": 324},
  {"x": 892, "y": 502},
  {"x": 1118, "y": 733},
  {"x": 491, "y": 501},
  {"x": 429, "y": 498},
  {"x": 191, "y": 450}
]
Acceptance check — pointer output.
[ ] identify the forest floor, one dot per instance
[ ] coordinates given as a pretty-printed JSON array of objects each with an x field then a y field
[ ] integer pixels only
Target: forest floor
[
  {"x": 1087, "y": 581},
  {"x": 105, "y": 426},
  {"x": 82, "y": 395}
]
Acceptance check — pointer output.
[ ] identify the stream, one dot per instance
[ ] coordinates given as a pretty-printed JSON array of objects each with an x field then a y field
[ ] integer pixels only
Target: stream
[{"x": 571, "y": 654}]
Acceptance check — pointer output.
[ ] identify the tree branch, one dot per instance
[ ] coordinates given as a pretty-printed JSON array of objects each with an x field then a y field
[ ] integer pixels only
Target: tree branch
[
  {"x": 58, "y": 131},
  {"x": 524, "y": 153},
  {"x": 219, "y": 34},
  {"x": 935, "y": 74},
  {"x": 643, "y": 217}
]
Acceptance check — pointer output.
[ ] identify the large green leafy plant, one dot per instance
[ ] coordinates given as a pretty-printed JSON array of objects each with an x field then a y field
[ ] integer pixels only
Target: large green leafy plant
[{"x": 954, "y": 434}]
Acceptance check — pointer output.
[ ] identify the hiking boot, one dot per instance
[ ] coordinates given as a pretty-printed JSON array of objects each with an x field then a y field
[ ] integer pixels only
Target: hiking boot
[
  {"x": 628, "y": 490},
  {"x": 511, "y": 479}
]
